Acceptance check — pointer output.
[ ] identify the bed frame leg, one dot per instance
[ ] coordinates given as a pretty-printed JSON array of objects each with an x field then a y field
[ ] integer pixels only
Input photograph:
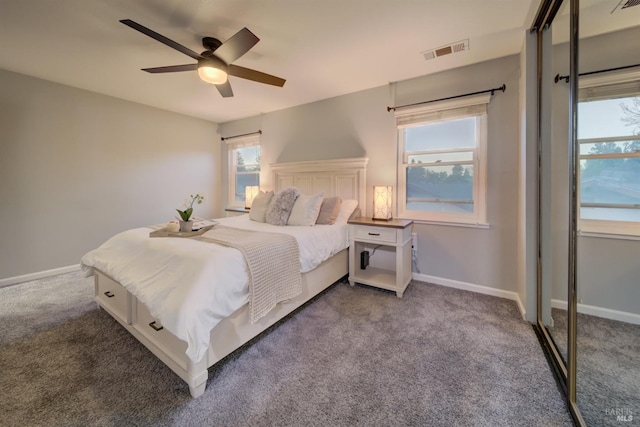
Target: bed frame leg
[
  {"x": 197, "y": 391},
  {"x": 197, "y": 378}
]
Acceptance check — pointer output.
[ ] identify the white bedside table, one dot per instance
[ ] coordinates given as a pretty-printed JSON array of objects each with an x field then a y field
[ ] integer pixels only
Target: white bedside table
[{"x": 394, "y": 234}]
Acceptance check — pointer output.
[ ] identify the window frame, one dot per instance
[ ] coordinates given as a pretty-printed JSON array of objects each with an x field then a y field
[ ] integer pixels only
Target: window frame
[
  {"x": 621, "y": 84},
  {"x": 472, "y": 106},
  {"x": 233, "y": 145}
]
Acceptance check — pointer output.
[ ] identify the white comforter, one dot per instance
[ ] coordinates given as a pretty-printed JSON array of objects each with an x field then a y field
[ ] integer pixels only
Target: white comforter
[{"x": 189, "y": 285}]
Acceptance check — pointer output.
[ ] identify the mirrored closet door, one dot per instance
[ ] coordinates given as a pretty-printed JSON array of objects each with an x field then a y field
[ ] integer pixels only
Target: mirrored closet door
[
  {"x": 589, "y": 196},
  {"x": 608, "y": 318}
]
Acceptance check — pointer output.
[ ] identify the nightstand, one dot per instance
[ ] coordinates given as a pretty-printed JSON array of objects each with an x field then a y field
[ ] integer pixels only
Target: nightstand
[{"x": 393, "y": 235}]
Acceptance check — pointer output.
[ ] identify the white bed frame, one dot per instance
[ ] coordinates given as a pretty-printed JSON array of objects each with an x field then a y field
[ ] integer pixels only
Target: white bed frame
[{"x": 342, "y": 177}]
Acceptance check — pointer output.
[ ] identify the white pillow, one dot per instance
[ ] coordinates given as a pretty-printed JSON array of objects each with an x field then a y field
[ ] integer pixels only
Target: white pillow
[
  {"x": 306, "y": 209},
  {"x": 259, "y": 206},
  {"x": 346, "y": 209}
]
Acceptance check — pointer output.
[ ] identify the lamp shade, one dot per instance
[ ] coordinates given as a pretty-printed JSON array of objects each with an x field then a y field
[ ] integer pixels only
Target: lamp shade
[
  {"x": 250, "y": 193},
  {"x": 382, "y": 202},
  {"x": 212, "y": 70}
]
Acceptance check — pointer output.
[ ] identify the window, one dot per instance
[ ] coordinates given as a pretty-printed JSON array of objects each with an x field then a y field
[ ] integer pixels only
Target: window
[
  {"x": 609, "y": 144},
  {"x": 244, "y": 166},
  {"x": 442, "y": 161}
]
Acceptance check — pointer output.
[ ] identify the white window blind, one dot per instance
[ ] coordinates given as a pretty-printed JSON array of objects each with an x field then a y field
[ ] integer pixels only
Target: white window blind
[
  {"x": 443, "y": 110},
  {"x": 243, "y": 141},
  {"x": 625, "y": 89},
  {"x": 416, "y": 118}
]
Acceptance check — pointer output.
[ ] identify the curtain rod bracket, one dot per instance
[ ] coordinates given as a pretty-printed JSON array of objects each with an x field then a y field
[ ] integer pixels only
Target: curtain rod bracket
[{"x": 501, "y": 88}]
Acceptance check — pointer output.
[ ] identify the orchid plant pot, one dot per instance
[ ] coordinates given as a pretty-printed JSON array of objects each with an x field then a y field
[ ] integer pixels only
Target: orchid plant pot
[{"x": 186, "y": 224}]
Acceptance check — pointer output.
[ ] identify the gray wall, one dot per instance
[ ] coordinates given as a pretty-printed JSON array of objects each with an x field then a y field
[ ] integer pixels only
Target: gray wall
[
  {"x": 608, "y": 269},
  {"x": 77, "y": 167},
  {"x": 358, "y": 124}
]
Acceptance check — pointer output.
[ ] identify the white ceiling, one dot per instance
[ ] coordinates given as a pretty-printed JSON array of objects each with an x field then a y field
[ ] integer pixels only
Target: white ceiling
[
  {"x": 596, "y": 17},
  {"x": 323, "y": 48}
]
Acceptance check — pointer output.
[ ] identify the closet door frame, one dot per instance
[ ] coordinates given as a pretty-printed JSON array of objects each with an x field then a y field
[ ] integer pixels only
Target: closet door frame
[{"x": 565, "y": 372}]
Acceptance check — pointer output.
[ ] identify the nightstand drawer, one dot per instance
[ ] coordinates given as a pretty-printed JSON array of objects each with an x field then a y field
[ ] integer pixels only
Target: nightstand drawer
[{"x": 377, "y": 234}]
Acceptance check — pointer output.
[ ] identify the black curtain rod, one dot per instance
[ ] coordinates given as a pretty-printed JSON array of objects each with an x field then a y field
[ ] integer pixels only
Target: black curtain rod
[
  {"x": 258, "y": 132},
  {"x": 502, "y": 88},
  {"x": 566, "y": 78}
]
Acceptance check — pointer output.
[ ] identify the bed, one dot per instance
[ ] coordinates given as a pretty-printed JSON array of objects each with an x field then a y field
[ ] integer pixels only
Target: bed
[{"x": 235, "y": 325}]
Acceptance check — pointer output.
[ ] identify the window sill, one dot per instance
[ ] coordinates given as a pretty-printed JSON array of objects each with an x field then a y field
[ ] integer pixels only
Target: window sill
[
  {"x": 449, "y": 224},
  {"x": 236, "y": 209}
]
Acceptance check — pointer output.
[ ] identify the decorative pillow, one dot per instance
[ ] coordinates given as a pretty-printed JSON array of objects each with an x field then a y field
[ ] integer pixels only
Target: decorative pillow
[
  {"x": 281, "y": 205},
  {"x": 305, "y": 210},
  {"x": 347, "y": 208},
  {"x": 259, "y": 206},
  {"x": 357, "y": 213},
  {"x": 329, "y": 210}
]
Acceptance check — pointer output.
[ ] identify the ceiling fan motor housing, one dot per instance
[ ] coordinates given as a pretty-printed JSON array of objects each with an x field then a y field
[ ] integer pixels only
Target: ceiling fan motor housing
[{"x": 211, "y": 43}]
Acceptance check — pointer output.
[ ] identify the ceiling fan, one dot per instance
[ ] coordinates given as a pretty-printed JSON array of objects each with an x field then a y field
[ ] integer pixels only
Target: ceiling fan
[{"x": 215, "y": 63}]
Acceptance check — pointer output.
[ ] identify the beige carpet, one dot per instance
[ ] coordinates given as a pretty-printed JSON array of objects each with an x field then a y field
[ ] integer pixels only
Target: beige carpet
[
  {"x": 608, "y": 368},
  {"x": 354, "y": 356}
]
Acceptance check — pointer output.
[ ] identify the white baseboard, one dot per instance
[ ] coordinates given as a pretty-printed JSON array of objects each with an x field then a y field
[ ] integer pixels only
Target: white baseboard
[
  {"x": 607, "y": 313},
  {"x": 39, "y": 275},
  {"x": 473, "y": 288},
  {"x": 523, "y": 311}
]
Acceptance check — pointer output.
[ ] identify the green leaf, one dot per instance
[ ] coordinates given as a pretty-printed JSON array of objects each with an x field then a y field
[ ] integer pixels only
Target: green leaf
[{"x": 185, "y": 214}]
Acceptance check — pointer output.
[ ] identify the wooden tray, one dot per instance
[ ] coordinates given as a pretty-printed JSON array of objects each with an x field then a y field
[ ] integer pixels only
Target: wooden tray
[{"x": 164, "y": 233}]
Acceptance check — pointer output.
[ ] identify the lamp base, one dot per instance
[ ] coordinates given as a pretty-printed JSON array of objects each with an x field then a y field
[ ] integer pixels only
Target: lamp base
[{"x": 381, "y": 219}]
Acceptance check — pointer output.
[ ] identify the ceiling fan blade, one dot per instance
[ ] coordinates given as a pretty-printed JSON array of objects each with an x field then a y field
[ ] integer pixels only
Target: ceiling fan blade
[
  {"x": 162, "y": 39},
  {"x": 256, "y": 76},
  {"x": 171, "y": 68},
  {"x": 225, "y": 89},
  {"x": 236, "y": 46}
]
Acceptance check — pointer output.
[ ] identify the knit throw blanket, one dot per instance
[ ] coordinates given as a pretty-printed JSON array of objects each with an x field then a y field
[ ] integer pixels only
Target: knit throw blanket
[{"x": 273, "y": 262}]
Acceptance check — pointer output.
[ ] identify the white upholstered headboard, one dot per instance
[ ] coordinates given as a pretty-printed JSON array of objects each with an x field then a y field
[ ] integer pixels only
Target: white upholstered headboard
[{"x": 346, "y": 178}]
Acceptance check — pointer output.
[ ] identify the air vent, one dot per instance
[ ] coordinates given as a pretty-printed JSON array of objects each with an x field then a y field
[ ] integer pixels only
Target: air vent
[
  {"x": 456, "y": 47},
  {"x": 624, "y": 4}
]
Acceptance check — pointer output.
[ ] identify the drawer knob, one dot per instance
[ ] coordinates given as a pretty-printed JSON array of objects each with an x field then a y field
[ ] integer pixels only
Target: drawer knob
[
  {"x": 374, "y": 234},
  {"x": 109, "y": 294},
  {"x": 156, "y": 327}
]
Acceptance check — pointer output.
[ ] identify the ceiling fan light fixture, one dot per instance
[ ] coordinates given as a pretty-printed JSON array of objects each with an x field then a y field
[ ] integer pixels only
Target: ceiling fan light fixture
[
  {"x": 213, "y": 64},
  {"x": 212, "y": 70}
]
